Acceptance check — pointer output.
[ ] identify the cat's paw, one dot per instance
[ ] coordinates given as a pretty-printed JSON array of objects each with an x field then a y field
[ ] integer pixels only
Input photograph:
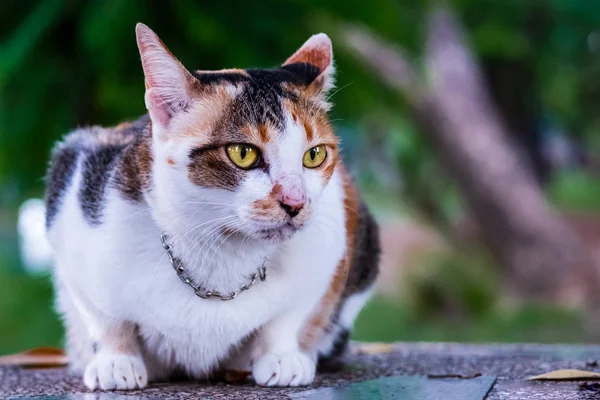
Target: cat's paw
[
  {"x": 115, "y": 372},
  {"x": 289, "y": 369}
]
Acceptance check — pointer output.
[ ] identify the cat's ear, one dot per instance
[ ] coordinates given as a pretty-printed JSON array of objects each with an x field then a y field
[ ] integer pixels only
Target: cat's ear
[
  {"x": 169, "y": 85},
  {"x": 317, "y": 52}
]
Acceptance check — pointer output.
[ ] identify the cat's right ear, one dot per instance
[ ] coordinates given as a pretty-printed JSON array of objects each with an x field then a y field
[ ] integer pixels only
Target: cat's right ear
[{"x": 169, "y": 85}]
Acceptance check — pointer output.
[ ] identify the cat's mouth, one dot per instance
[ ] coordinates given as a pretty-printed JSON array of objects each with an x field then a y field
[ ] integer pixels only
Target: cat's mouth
[{"x": 279, "y": 233}]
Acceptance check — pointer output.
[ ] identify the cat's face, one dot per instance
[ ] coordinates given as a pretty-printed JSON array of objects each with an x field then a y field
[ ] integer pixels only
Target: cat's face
[{"x": 252, "y": 147}]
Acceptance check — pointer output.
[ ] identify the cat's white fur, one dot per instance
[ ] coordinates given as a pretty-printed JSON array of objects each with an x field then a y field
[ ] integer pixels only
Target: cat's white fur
[
  {"x": 117, "y": 273},
  {"x": 118, "y": 292}
]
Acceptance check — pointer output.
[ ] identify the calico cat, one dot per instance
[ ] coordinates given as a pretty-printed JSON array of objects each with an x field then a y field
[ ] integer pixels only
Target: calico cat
[{"x": 218, "y": 232}]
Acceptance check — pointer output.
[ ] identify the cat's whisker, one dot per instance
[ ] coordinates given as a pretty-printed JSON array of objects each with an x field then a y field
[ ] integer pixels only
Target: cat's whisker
[
  {"x": 138, "y": 214},
  {"x": 201, "y": 225},
  {"x": 213, "y": 233},
  {"x": 188, "y": 232},
  {"x": 211, "y": 224},
  {"x": 239, "y": 229},
  {"x": 210, "y": 230},
  {"x": 209, "y": 249},
  {"x": 214, "y": 221},
  {"x": 344, "y": 205},
  {"x": 336, "y": 228},
  {"x": 206, "y": 202},
  {"x": 337, "y": 91},
  {"x": 329, "y": 217}
]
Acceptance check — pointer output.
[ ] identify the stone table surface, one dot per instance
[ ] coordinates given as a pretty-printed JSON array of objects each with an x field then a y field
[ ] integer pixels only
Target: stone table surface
[{"x": 510, "y": 364}]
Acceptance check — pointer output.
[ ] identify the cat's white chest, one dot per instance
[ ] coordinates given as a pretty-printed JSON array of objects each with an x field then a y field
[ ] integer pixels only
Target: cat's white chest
[
  {"x": 126, "y": 276},
  {"x": 176, "y": 323},
  {"x": 181, "y": 329}
]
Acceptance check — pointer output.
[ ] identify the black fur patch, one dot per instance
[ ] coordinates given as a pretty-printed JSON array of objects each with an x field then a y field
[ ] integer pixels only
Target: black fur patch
[
  {"x": 210, "y": 167},
  {"x": 263, "y": 89},
  {"x": 331, "y": 362},
  {"x": 215, "y": 78},
  {"x": 300, "y": 74},
  {"x": 364, "y": 268},
  {"x": 60, "y": 174},
  {"x": 132, "y": 175},
  {"x": 341, "y": 344},
  {"x": 97, "y": 167}
]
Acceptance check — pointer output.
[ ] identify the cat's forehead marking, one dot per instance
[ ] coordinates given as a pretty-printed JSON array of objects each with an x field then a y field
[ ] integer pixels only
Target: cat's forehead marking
[
  {"x": 261, "y": 91},
  {"x": 262, "y": 107}
]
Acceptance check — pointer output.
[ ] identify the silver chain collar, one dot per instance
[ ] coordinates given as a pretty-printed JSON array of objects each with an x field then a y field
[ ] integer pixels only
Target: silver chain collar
[{"x": 201, "y": 292}]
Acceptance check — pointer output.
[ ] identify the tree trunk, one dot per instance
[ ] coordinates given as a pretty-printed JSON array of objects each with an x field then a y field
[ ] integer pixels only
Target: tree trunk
[{"x": 542, "y": 258}]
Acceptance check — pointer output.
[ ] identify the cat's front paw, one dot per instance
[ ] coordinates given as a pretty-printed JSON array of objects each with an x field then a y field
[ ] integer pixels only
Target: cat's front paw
[
  {"x": 289, "y": 369},
  {"x": 116, "y": 372}
]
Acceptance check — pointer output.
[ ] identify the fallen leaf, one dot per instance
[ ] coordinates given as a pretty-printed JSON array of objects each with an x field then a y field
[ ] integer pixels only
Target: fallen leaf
[
  {"x": 566, "y": 375},
  {"x": 40, "y": 357},
  {"x": 373, "y": 348}
]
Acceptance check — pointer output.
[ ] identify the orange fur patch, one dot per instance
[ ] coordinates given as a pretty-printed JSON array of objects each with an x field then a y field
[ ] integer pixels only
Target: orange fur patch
[
  {"x": 121, "y": 339},
  {"x": 314, "y": 121},
  {"x": 264, "y": 207},
  {"x": 223, "y": 71},
  {"x": 315, "y": 326},
  {"x": 309, "y": 131},
  {"x": 170, "y": 161},
  {"x": 207, "y": 111},
  {"x": 122, "y": 126},
  {"x": 263, "y": 133}
]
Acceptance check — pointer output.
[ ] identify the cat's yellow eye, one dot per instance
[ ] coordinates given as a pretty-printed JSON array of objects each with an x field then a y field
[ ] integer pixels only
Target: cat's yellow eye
[
  {"x": 243, "y": 155},
  {"x": 314, "y": 157}
]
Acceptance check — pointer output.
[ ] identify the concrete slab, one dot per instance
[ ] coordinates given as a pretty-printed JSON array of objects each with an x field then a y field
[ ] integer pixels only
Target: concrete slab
[{"x": 511, "y": 364}]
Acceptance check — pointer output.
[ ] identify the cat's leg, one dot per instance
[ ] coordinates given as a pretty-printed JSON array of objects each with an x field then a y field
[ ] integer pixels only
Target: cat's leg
[
  {"x": 239, "y": 359},
  {"x": 118, "y": 363},
  {"x": 79, "y": 346},
  {"x": 282, "y": 362},
  {"x": 109, "y": 349}
]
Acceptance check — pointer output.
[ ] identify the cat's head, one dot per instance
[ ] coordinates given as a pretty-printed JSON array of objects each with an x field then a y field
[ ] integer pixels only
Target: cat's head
[{"x": 254, "y": 147}]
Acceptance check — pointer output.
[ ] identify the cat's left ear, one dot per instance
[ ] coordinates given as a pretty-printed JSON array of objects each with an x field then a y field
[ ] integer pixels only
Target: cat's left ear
[
  {"x": 317, "y": 52},
  {"x": 169, "y": 85}
]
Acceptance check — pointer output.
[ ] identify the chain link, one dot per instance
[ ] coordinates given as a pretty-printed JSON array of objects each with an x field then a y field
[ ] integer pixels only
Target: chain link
[{"x": 201, "y": 292}]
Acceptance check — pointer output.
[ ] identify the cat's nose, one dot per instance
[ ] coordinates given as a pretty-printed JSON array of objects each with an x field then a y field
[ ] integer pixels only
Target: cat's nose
[
  {"x": 292, "y": 205},
  {"x": 291, "y": 194}
]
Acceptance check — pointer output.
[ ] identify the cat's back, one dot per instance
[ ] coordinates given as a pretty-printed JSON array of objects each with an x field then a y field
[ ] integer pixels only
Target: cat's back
[{"x": 83, "y": 166}]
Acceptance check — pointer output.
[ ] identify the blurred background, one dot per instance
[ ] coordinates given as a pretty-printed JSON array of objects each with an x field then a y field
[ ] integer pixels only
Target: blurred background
[{"x": 472, "y": 130}]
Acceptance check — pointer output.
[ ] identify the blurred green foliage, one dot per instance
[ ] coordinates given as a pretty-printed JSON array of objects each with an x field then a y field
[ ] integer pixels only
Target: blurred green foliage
[
  {"x": 67, "y": 63},
  {"x": 26, "y": 315},
  {"x": 456, "y": 297},
  {"x": 387, "y": 321},
  {"x": 575, "y": 191}
]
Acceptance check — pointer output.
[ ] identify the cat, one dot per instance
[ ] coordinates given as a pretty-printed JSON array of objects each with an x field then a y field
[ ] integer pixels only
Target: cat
[{"x": 219, "y": 232}]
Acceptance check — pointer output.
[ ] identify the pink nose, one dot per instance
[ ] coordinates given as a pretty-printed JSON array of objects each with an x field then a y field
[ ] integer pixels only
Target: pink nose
[{"x": 292, "y": 203}]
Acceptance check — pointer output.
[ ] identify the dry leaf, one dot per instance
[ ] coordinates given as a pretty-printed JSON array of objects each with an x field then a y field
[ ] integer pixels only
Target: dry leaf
[
  {"x": 566, "y": 375},
  {"x": 373, "y": 348},
  {"x": 40, "y": 357}
]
